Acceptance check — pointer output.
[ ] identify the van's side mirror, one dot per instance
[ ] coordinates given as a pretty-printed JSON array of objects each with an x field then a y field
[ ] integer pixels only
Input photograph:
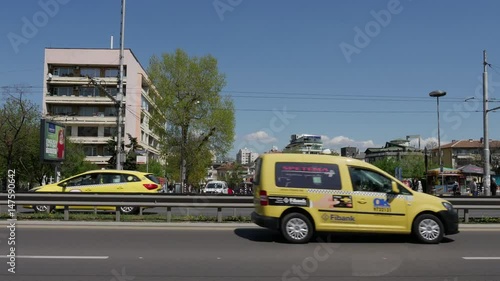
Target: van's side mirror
[{"x": 394, "y": 188}]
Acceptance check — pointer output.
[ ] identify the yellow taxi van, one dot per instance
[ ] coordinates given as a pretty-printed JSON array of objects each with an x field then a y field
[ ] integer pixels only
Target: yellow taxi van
[{"x": 299, "y": 194}]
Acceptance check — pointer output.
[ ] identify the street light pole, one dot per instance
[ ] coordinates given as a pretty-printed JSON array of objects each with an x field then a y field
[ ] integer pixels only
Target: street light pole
[
  {"x": 486, "y": 154},
  {"x": 438, "y": 94}
]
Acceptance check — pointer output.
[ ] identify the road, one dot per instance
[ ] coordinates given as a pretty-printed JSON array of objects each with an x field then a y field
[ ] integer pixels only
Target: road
[
  {"x": 246, "y": 212},
  {"x": 241, "y": 253}
]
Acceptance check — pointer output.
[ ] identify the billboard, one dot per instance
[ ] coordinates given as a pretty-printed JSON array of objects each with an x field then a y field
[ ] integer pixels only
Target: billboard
[{"x": 52, "y": 141}]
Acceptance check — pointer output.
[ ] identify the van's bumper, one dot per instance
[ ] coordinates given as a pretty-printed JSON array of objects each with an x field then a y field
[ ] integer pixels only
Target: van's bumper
[
  {"x": 267, "y": 222},
  {"x": 450, "y": 222}
]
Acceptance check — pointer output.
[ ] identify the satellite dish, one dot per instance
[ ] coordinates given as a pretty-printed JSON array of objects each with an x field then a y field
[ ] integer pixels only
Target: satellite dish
[{"x": 327, "y": 151}]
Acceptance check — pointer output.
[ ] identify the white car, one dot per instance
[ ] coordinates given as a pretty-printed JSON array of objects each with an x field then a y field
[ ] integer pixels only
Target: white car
[{"x": 216, "y": 187}]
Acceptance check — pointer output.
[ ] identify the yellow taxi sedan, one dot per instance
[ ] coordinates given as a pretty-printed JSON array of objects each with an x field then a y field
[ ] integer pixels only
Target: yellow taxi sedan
[{"x": 102, "y": 181}]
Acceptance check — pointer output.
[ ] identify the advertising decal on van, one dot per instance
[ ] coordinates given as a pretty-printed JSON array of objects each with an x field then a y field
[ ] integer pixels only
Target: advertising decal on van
[{"x": 288, "y": 201}]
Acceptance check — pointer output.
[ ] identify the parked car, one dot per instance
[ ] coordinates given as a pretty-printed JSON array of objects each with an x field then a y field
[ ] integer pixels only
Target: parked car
[
  {"x": 102, "y": 181},
  {"x": 216, "y": 187}
]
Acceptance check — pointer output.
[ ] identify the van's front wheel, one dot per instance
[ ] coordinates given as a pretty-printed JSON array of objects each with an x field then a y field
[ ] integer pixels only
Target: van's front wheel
[
  {"x": 428, "y": 229},
  {"x": 296, "y": 228}
]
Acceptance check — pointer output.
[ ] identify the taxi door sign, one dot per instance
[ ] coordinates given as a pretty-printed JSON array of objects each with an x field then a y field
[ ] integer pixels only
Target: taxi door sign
[{"x": 381, "y": 205}]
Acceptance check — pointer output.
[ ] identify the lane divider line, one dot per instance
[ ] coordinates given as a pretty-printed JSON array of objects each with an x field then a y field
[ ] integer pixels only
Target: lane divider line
[
  {"x": 481, "y": 258},
  {"x": 60, "y": 257}
]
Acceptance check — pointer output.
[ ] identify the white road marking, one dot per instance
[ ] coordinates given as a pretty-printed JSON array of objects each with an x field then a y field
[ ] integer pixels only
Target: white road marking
[
  {"x": 61, "y": 257},
  {"x": 481, "y": 258}
]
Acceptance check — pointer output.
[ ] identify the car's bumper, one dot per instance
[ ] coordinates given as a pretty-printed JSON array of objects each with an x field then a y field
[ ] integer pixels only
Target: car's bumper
[
  {"x": 267, "y": 222},
  {"x": 450, "y": 222}
]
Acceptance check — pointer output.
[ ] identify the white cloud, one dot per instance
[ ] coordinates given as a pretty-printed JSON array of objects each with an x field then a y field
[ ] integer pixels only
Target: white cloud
[
  {"x": 342, "y": 141},
  {"x": 261, "y": 137}
]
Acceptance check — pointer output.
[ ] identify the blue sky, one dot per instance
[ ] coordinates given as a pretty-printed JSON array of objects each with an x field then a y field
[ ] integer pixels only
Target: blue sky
[{"x": 288, "y": 65}]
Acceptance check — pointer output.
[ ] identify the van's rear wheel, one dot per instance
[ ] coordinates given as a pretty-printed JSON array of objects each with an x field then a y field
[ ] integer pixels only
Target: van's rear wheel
[
  {"x": 296, "y": 228},
  {"x": 428, "y": 229}
]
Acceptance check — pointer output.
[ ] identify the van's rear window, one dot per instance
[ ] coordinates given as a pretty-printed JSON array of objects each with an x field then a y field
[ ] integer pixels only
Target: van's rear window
[{"x": 307, "y": 175}]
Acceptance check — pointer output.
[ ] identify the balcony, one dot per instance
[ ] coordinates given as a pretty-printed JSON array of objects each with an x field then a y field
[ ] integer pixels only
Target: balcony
[
  {"x": 77, "y": 80},
  {"x": 85, "y": 120},
  {"x": 99, "y": 160},
  {"x": 79, "y": 100},
  {"x": 89, "y": 140}
]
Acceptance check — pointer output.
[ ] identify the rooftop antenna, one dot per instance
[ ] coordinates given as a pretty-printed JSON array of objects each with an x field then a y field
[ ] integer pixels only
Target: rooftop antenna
[{"x": 111, "y": 42}]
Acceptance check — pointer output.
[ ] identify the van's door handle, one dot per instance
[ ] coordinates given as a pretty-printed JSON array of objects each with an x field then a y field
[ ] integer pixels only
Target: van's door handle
[
  {"x": 87, "y": 189},
  {"x": 362, "y": 201},
  {"x": 120, "y": 187}
]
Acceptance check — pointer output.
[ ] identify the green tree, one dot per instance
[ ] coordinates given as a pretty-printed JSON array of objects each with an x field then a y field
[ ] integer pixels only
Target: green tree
[
  {"x": 131, "y": 155},
  {"x": 74, "y": 162},
  {"x": 388, "y": 164},
  {"x": 192, "y": 117},
  {"x": 18, "y": 117}
]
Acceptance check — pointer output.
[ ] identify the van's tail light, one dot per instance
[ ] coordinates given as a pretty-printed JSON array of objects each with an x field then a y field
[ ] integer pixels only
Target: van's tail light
[
  {"x": 263, "y": 198},
  {"x": 150, "y": 186}
]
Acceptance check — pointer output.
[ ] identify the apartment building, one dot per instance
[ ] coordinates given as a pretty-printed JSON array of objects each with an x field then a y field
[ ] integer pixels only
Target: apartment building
[
  {"x": 88, "y": 113},
  {"x": 459, "y": 153},
  {"x": 245, "y": 156}
]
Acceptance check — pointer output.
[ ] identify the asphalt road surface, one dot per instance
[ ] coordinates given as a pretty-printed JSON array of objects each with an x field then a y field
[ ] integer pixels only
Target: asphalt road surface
[{"x": 241, "y": 253}]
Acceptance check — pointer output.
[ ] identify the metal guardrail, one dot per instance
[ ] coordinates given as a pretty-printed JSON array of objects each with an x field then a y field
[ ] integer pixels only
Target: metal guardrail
[
  {"x": 130, "y": 199},
  {"x": 170, "y": 201}
]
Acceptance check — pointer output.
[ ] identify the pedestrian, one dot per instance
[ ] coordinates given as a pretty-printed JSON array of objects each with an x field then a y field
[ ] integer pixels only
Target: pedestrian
[
  {"x": 456, "y": 191},
  {"x": 473, "y": 187},
  {"x": 493, "y": 187}
]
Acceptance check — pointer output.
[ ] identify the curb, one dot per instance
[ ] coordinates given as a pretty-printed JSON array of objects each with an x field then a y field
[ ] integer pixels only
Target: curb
[{"x": 135, "y": 224}]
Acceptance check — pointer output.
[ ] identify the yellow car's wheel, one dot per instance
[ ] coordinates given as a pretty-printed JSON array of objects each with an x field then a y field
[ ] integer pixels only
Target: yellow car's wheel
[
  {"x": 43, "y": 208},
  {"x": 127, "y": 210}
]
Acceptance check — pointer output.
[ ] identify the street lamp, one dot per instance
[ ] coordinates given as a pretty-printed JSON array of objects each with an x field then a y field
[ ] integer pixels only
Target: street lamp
[{"x": 437, "y": 95}]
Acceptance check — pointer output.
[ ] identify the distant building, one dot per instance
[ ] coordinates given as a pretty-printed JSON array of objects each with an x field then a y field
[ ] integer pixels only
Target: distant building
[
  {"x": 398, "y": 148},
  {"x": 349, "y": 151},
  {"x": 307, "y": 144},
  {"x": 245, "y": 156},
  {"x": 459, "y": 153}
]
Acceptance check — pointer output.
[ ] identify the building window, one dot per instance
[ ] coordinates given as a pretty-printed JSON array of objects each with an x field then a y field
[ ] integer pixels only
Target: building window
[
  {"x": 109, "y": 131},
  {"x": 111, "y": 73},
  {"x": 109, "y": 111},
  {"x": 112, "y": 91},
  {"x": 87, "y": 131},
  {"x": 62, "y": 91},
  {"x": 63, "y": 72},
  {"x": 90, "y": 150},
  {"x": 61, "y": 110},
  {"x": 90, "y": 72},
  {"x": 88, "y": 111},
  {"x": 89, "y": 92}
]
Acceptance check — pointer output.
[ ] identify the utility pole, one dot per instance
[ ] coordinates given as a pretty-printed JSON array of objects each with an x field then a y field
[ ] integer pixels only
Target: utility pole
[
  {"x": 119, "y": 150},
  {"x": 486, "y": 154}
]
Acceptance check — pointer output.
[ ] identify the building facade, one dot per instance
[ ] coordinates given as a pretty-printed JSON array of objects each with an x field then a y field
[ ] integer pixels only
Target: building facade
[
  {"x": 89, "y": 114},
  {"x": 398, "y": 149},
  {"x": 246, "y": 156},
  {"x": 460, "y": 153},
  {"x": 304, "y": 143}
]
